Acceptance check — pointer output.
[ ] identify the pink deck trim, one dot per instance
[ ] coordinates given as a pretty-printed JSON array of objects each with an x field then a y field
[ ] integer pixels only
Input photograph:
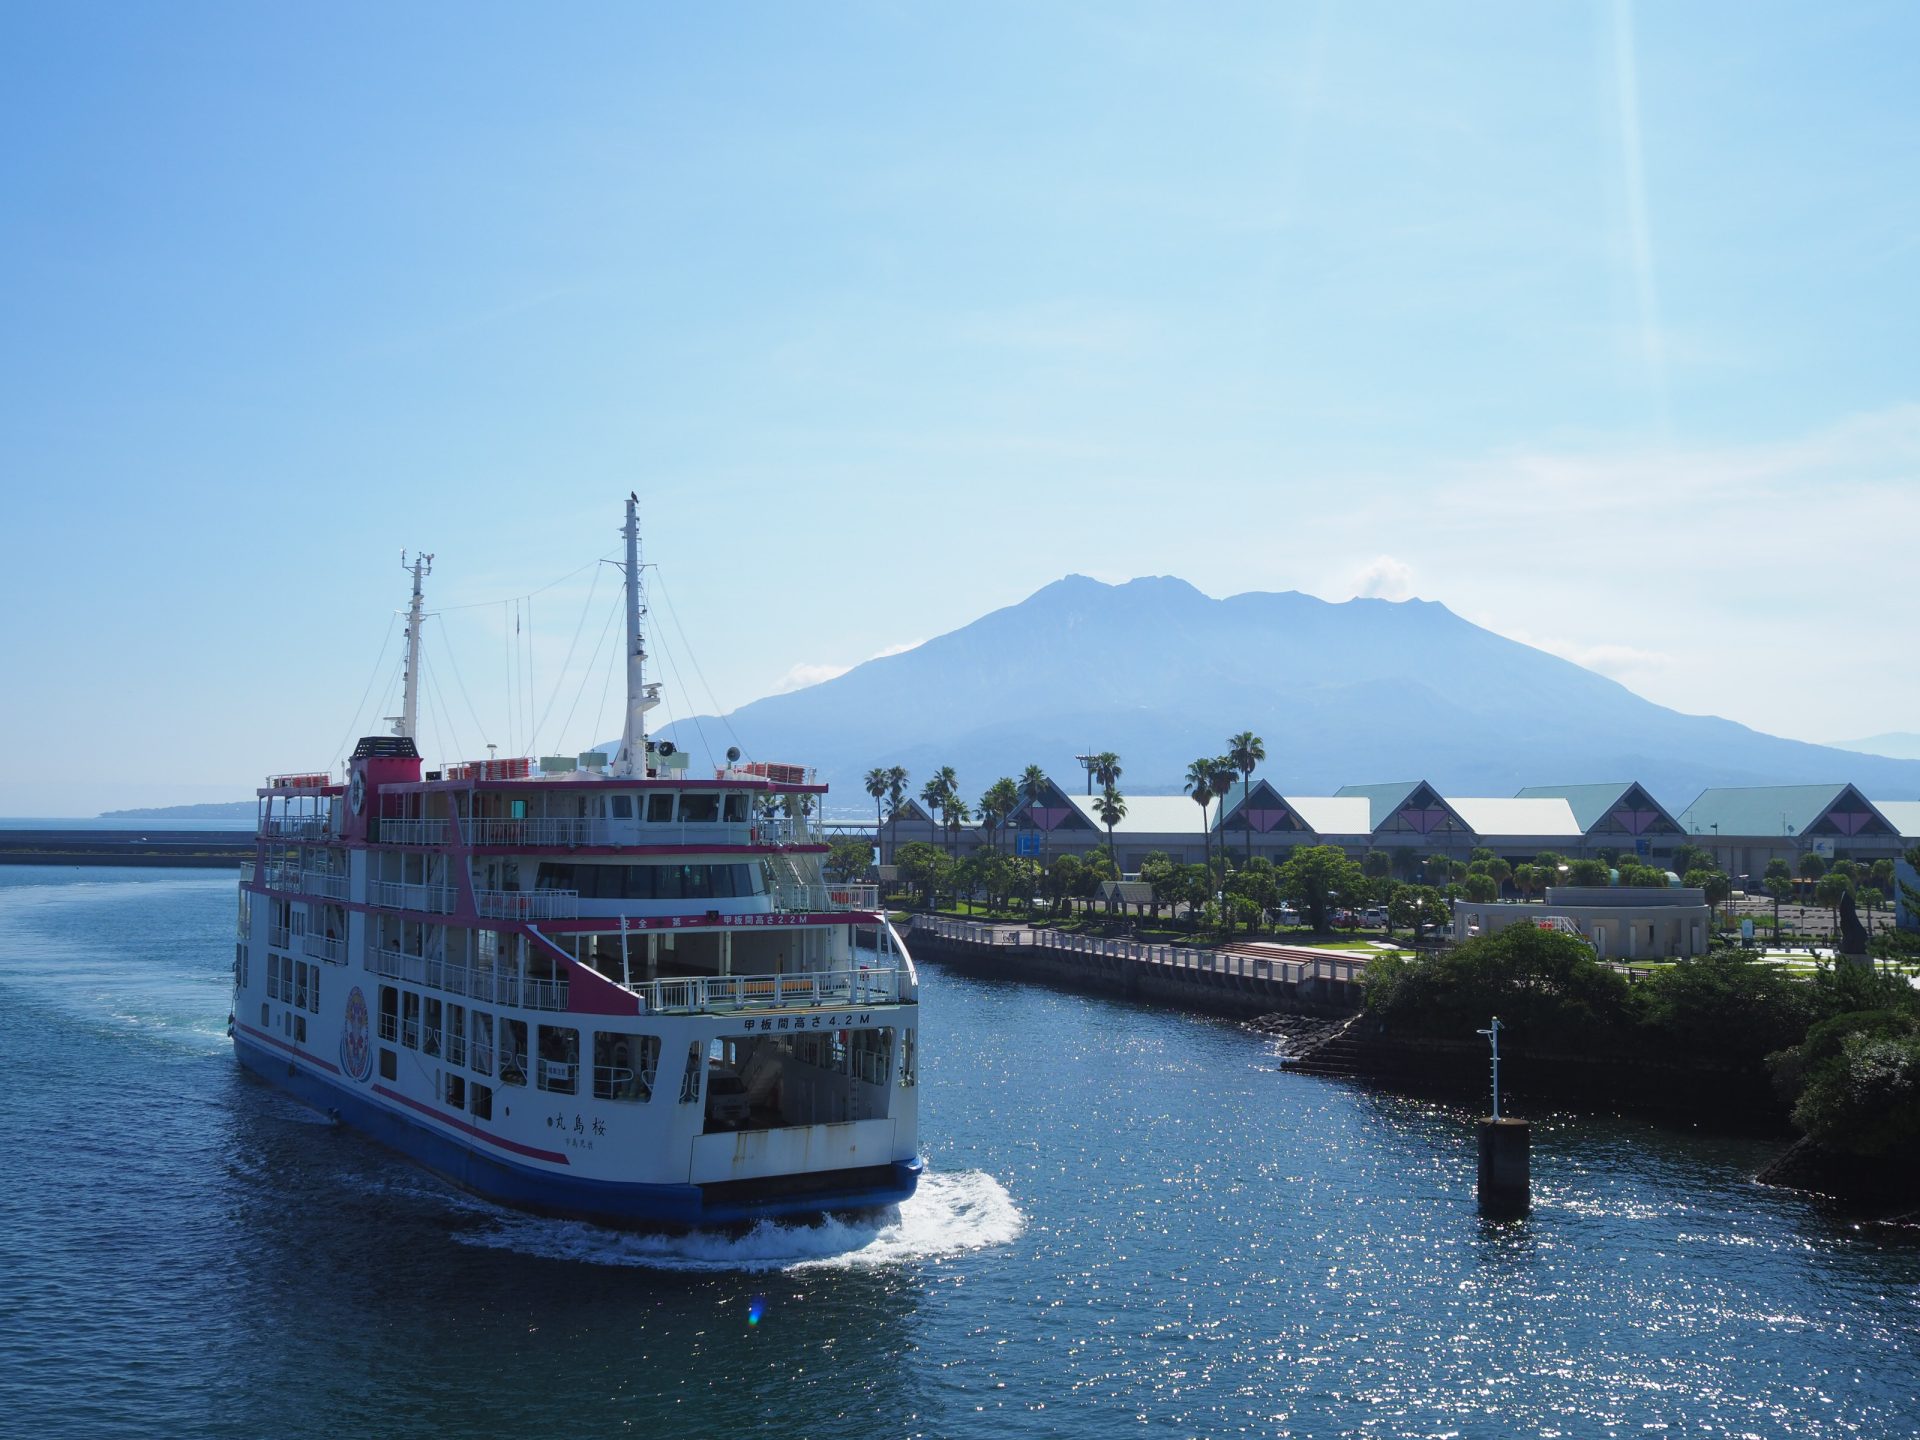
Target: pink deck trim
[
  {"x": 552, "y": 1156},
  {"x": 294, "y": 1050}
]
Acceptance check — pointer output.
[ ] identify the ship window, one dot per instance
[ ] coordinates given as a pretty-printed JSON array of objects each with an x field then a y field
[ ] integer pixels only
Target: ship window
[
  {"x": 300, "y": 1029},
  {"x": 313, "y": 988},
  {"x": 456, "y": 1035},
  {"x": 300, "y": 984},
  {"x": 240, "y": 965},
  {"x": 456, "y": 1091},
  {"x": 624, "y": 1065},
  {"x": 263, "y": 1014},
  {"x": 389, "y": 1013},
  {"x": 430, "y": 1044},
  {"x": 480, "y": 1098},
  {"x": 410, "y": 1020},
  {"x": 621, "y": 806},
  {"x": 690, "y": 1077},
  {"x": 519, "y": 809},
  {"x": 659, "y": 809},
  {"x": 273, "y": 976},
  {"x": 699, "y": 808},
  {"x": 907, "y": 1077},
  {"x": 513, "y": 1052},
  {"x": 559, "y": 1059},
  {"x": 482, "y": 1042},
  {"x": 739, "y": 809},
  {"x": 389, "y": 1066}
]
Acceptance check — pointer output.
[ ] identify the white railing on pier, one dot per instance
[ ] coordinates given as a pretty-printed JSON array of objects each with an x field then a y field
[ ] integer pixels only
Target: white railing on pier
[
  {"x": 395, "y": 895},
  {"x": 705, "y": 994},
  {"x": 1290, "y": 966},
  {"x": 826, "y": 897},
  {"x": 324, "y": 882},
  {"x": 320, "y": 947},
  {"x": 528, "y": 904},
  {"x": 412, "y": 830}
]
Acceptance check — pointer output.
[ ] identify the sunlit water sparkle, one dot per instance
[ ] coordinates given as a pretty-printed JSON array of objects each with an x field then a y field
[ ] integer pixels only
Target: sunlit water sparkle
[{"x": 1129, "y": 1217}]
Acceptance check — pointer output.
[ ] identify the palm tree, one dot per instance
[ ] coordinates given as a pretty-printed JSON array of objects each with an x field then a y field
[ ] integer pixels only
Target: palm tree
[
  {"x": 934, "y": 797},
  {"x": 1033, "y": 785},
  {"x": 956, "y": 814},
  {"x": 1220, "y": 782},
  {"x": 1112, "y": 809},
  {"x": 1247, "y": 750},
  {"x": 1000, "y": 801},
  {"x": 1199, "y": 785},
  {"x": 876, "y": 783},
  {"x": 1106, "y": 769},
  {"x": 896, "y": 797}
]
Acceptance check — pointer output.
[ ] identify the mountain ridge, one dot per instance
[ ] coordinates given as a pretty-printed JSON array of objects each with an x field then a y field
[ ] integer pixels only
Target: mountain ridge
[{"x": 1343, "y": 692}]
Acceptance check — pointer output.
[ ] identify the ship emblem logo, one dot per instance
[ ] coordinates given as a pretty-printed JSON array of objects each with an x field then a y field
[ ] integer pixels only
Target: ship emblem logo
[{"x": 356, "y": 1054}]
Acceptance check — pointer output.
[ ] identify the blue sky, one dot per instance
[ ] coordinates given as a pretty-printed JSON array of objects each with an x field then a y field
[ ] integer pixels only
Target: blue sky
[{"x": 1593, "y": 322}]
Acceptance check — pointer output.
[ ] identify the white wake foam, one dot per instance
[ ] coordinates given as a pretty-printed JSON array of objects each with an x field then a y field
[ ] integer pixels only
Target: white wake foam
[{"x": 948, "y": 1215}]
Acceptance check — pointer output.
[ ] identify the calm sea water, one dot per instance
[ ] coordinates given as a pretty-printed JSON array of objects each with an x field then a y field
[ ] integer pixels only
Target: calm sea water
[{"x": 1132, "y": 1219}]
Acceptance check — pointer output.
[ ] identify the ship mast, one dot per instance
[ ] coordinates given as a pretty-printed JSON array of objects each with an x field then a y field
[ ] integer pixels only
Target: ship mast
[
  {"x": 632, "y": 760},
  {"x": 407, "y": 721}
]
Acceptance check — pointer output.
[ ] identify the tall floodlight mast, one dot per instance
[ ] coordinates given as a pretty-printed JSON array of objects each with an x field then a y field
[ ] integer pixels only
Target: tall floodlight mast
[
  {"x": 407, "y": 722},
  {"x": 641, "y": 697}
]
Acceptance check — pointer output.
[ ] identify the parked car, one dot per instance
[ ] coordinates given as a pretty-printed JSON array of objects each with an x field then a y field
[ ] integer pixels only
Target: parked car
[
  {"x": 1375, "y": 917},
  {"x": 727, "y": 1104}
]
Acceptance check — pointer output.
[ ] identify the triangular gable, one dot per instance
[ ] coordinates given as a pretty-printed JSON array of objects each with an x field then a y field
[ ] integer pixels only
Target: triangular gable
[
  {"x": 1052, "y": 810},
  {"x": 1621, "y": 808},
  {"x": 908, "y": 809},
  {"x": 1414, "y": 808},
  {"x": 1851, "y": 814},
  {"x": 1263, "y": 810}
]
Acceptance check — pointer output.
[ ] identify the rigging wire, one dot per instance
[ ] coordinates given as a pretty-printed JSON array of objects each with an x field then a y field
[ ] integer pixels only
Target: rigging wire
[
  {"x": 586, "y": 675},
  {"x": 454, "y": 661},
  {"x": 340, "y": 750},
  {"x": 506, "y": 636},
  {"x": 440, "y": 699},
  {"x": 666, "y": 652},
  {"x": 566, "y": 665},
  {"x": 599, "y": 721},
  {"x": 526, "y": 683},
  {"x": 694, "y": 660},
  {"x": 483, "y": 604}
]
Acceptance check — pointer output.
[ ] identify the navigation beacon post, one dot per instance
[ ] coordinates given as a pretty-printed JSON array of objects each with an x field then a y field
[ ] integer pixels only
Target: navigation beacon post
[{"x": 1506, "y": 1181}]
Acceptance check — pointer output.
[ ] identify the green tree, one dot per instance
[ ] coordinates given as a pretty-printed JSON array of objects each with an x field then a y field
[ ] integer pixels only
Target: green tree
[
  {"x": 1498, "y": 871},
  {"x": 1480, "y": 888},
  {"x": 1692, "y": 857},
  {"x": 1880, "y": 876},
  {"x": 1001, "y": 799},
  {"x": 1066, "y": 878},
  {"x": 1829, "y": 891},
  {"x": 848, "y": 859},
  {"x": 1415, "y": 907},
  {"x": 1111, "y": 807},
  {"x": 926, "y": 868},
  {"x": 1106, "y": 769},
  {"x": 1547, "y": 988},
  {"x": 1588, "y": 872},
  {"x": 1199, "y": 785},
  {"x": 1377, "y": 864},
  {"x": 1220, "y": 782},
  {"x": 896, "y": 797},
  {"x": 1033, "y": 789},
  {"x": 1246, "y": 750},
  {"x": 1812, "y": 866},
  {"x": 1871, "y": 898},
  {"x": 876, "y": 783},
  {"x": 957, "y": 814},
  {"x": 1159, "y": 871},
  {"x": 1318, "y": 877},
  {"x": 1728, "y": 1006},
  {"x": 1780, "y": 887}
]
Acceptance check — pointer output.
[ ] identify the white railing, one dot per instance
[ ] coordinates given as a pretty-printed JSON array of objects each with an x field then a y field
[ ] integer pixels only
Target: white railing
[
  {"x": 528, "y": 904},
  {"x": 395, "y": 895},
  {"x": 788, "y": 830},
  {"x": 411, "y": 830},
  {"x": 297, "y": 827},
  {"x": 497, "y": 987},
  {"x": 826, "y": 897},
  {"x": 704, "y": 994},
  {"x": 324, "y": 882},
  {"x": 279, "y": 937},
  {"x": 559, "y": 830},
  {"x": 1290, "y": 966},
  {"x": 246, "y": 872},
  {"x": 322, "y": 948},
  {"x": 282, "y": 877}
]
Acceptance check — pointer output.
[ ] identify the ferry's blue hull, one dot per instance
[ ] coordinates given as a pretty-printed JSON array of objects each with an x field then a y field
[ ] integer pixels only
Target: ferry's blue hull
[{"x": 598, "y": 1201}]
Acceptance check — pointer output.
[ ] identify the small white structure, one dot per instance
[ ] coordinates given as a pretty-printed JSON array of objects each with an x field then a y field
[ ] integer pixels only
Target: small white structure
[{"x": 1621, "y": 922}]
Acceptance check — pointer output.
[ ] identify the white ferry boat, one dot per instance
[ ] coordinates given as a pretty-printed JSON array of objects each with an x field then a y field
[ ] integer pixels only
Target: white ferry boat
[{"x": 611, "y": 990}]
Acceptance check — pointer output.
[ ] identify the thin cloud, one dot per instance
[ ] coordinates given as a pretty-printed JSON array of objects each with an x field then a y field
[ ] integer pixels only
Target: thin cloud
[
  {"x": 1384, "y": 578},
  {"x": 799, "y": 677},
  {"x": 1626, "y": 104}
]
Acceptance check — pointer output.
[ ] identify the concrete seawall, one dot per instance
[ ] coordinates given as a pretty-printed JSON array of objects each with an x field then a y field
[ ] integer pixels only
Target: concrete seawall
[{"x": 1245, "y": 981}]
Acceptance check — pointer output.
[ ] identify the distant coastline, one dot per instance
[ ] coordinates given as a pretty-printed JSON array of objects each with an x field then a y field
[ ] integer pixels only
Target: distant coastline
[{"x": 220, "y": 810}]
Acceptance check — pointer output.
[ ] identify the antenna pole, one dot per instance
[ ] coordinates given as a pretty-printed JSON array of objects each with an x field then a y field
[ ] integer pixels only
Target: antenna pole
[
  {"x": 632, "y": 760},
  {"x": 408, "y": 720}
]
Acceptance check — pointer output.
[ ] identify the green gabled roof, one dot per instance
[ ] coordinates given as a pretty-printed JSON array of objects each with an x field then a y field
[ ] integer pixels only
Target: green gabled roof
[
  {"x": 1385, "y": 801},
  {"x": 1589, "y": 803},
  {"x": 1771, "y": 809}
]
